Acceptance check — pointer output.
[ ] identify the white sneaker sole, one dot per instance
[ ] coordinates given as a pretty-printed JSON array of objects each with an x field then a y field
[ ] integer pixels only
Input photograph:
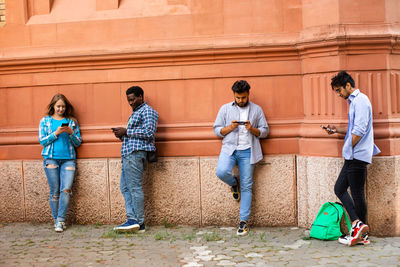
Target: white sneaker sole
[
  {"x": 130, "y": 228},
  {"x": 60, "y": 229},
  {"x": 347, "y": 242},
  {"x": 242, "y": 234}
]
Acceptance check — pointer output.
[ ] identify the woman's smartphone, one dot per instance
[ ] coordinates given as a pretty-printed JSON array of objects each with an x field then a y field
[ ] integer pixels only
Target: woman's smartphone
[
  {"x": 241, "y": 122},
  {"x": 65, "y": 124}
]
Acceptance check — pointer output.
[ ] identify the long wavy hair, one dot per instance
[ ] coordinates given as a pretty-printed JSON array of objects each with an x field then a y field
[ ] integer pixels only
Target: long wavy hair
[{"x": 69, "y": 109}]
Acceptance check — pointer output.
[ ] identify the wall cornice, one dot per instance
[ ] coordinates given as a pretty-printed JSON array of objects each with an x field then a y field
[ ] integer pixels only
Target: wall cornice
[
  {"x": 145, "y": 59},
  {"x": 388, "y": 128},
  {"x": 384, "y": 43}
]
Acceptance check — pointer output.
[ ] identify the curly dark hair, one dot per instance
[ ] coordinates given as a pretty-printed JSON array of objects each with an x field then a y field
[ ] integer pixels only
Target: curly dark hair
[
  {"x": 341, "y": 79},
  {"x": 241, "y": 87}
]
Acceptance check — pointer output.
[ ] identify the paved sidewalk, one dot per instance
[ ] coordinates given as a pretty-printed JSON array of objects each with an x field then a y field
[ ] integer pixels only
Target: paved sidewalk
[{"x": 23, "y": 244}]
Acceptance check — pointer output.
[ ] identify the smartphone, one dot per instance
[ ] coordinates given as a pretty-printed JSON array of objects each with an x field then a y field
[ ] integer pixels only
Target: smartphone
[
  {"x": 64, "y": 124},
  {"x": 326, "y": 128},
  {"x": 241, "y": 122}
]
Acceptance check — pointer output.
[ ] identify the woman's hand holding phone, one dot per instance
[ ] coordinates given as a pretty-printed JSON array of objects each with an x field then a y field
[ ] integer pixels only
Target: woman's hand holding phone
[
  {"x": 68, "y": 130},
  {"x": 64, "y": 128}
]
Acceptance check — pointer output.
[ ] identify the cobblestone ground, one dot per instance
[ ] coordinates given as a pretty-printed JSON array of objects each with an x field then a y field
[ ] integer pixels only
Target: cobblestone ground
[{"x": 23, "y": 244}]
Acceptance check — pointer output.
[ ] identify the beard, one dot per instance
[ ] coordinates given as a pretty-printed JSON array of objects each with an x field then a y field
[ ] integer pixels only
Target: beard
[{"x": 242, "y": 104}]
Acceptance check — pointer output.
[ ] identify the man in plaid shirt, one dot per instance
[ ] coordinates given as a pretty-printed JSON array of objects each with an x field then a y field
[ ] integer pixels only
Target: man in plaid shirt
[{"x": 137, "y": 140}]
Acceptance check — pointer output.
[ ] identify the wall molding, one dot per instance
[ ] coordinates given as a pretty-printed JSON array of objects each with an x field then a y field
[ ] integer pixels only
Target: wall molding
[
  {"x": 386, "y": 43},
  {"x": 388, "y": 128}
]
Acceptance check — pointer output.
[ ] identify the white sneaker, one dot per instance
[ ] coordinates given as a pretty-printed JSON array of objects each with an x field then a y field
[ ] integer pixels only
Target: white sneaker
[
  {"x": 346, "y": 240},
  {"x": 59, "y": 227}
]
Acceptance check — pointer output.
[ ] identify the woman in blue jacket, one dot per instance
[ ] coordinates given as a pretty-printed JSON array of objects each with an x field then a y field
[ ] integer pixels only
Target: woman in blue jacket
[{"x": 59, "y": 135}]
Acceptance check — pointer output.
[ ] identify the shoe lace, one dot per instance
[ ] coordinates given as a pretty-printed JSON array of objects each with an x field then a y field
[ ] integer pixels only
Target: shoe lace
[{"x": 242, "y": 225}]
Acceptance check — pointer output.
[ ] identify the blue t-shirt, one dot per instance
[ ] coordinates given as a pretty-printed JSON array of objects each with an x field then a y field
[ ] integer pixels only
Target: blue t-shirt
[{"x": 61, "y": 144}]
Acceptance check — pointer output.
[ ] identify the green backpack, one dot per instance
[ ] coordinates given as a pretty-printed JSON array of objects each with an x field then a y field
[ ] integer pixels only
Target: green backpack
[{"x": 326, "y": 225}]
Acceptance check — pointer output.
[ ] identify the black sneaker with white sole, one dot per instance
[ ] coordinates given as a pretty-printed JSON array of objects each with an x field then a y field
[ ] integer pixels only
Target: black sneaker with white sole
[
  {"x": 242, "y": 228},
  {"x": 142, "y": 228}
]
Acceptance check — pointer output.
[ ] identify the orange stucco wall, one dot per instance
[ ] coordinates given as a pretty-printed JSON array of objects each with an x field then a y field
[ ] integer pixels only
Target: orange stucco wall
[{"x": 186, "y": 54}]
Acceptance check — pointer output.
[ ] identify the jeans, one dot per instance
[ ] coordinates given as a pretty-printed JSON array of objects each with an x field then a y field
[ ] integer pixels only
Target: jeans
[
  {"x": 353, "y": 174},
  {"x": 60, "y": 176},
  {"x": 224, "y": 172},
  {"x": 131, "y": 185}
]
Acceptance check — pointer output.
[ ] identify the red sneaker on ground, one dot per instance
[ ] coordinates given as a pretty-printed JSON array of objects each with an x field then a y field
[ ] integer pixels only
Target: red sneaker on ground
[{"x": 359, "y": 230}]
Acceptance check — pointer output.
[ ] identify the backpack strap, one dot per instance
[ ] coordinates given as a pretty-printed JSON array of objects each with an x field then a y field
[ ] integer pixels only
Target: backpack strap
[
  {"x": 347, "y": 220},
  {"x": 345, "y": 217}
]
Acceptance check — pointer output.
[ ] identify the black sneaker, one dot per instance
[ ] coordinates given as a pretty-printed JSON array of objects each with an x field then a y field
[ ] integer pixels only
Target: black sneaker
[
  {"x": 142, "y": 228},
  {"x": 242, "y": 228},
  {"x": 235, "y": 189}
]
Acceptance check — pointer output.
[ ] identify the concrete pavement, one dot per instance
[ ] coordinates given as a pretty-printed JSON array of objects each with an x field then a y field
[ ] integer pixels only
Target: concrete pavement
[{"x": 24, "y": 244}]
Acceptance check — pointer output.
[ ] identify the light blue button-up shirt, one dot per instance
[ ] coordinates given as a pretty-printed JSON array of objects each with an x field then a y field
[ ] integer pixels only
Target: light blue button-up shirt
[
  {"x": 360, "y": 124},
  {"x": 230, "y": 112}
]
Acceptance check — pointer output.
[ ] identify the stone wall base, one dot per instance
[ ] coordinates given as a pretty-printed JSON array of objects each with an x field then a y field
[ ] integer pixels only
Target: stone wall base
[
  {"x": 316, "y": 177},
  {"x": 288, "y": 190},
  {"x": 181, "y": 190}
]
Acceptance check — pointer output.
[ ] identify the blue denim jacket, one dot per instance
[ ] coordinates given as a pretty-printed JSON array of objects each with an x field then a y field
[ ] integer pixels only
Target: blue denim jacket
[
  {"x": 47, "y": 137},
  {"x": 360, "y": 124},
  {"x": 230, "y": 112}
]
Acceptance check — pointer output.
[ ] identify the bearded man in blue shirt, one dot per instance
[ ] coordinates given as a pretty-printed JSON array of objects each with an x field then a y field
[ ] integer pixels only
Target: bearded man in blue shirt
[
  {"x": 241, "y": 124},
  {"x": 358, "y": 150},
  {"x": 138, "y": 139}
]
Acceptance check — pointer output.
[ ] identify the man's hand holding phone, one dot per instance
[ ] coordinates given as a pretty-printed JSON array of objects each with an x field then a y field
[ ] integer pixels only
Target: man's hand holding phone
[
  {"x": 236, "y": 123},
  {"x": 330, "y": 129},
  {"x": 119, "y": 132},
  {"x": 246, "y": 124}
]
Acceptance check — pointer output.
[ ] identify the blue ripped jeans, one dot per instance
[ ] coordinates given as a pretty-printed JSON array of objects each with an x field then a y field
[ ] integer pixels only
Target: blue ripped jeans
[
  {"x": 224, "y": 172},
  {"x": 131, "y": 185},
  {"x": 60, "y": 176}
]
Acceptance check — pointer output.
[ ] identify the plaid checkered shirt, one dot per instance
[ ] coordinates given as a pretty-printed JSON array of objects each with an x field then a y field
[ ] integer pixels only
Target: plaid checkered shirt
[
  {"x": 140, "y": 130},
  {"x": 47, "y": 137}
]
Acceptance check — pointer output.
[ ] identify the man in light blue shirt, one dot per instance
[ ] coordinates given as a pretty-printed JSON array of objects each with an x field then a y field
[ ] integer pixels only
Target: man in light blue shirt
[
  {"x": 358, "y": 150},
  {"x": 241, "y": 124}
]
